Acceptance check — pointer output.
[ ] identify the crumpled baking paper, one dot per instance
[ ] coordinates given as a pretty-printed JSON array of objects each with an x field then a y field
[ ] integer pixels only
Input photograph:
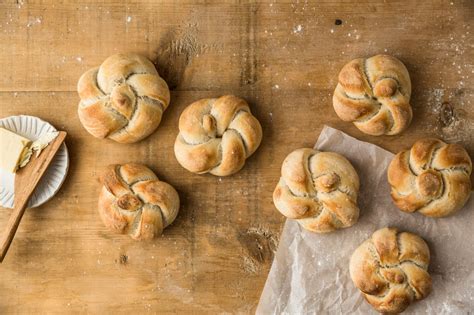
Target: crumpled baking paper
[{"x": 310, "y": 272}]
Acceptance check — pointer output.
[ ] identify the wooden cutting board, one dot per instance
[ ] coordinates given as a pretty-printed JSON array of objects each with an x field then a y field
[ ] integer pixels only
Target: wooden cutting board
[{"x": 283, "y": 58}]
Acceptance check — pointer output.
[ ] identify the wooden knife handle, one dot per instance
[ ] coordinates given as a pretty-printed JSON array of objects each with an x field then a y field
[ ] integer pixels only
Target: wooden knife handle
[{"x": 12, "y": 226}]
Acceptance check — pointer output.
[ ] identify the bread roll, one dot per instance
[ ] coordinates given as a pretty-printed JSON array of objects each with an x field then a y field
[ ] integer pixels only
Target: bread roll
[
  {"x": 318, "y": 189},
  {"x": 374, "y": 94},
  {"x": 123, "y": 99},
  {"x": 432, "y": 178},
  {"x": 134, "y": 201},
  {"x": 217, "y": 135},
  {"x": 391, "y": 270}
]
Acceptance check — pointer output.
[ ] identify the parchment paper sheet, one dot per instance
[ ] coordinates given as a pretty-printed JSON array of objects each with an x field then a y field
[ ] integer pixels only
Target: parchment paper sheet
[{"x": 310, "y": 272}]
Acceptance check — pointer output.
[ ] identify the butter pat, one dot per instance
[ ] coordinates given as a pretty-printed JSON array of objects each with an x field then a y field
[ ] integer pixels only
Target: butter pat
[
  {"x": 13, "y": 149},
  {"x": 38, "y": 146},
  {"x": 43, "y": 142}
]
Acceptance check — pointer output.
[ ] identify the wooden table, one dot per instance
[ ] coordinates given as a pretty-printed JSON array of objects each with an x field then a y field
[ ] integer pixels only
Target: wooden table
[{"x": 282, "y": 57}]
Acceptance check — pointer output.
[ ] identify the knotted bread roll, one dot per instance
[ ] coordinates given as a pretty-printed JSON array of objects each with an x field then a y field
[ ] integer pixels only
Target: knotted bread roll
[
  {"x": 217, "y": 135},
  {"x": 134, "y": 201},
  {"x": 432, "y": 177},
  {"x": 318, "y": 189},
  {"x": 123, "y": 99},
  {"x": 374, "y": 94},
  {"x": 391, "y": 270}
]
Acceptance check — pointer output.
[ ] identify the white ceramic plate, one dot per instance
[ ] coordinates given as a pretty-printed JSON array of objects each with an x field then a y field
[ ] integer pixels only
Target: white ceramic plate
[{"x": 33, "y": 128}]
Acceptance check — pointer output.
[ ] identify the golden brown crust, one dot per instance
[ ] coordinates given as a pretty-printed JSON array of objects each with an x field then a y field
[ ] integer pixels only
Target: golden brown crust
[
  {"x": 217, "y": 135},
  {"x": 134, "y": 201},
  {"x": 432, "y": 177},
  {"x": 318, "y": 189},
  {"x": 123, "y": 99},
  {"x": 391, "y": 270},
  {"x": 374, "y": 94}
]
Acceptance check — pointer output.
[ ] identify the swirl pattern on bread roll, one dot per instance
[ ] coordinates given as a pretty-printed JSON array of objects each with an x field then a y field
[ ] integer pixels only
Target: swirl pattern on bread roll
[
  {"x": 217, "y": 135},
  {"x": 123, "y": 99},
  {"x": 391, "y": 270},
  {"x": 374, "y": 94},
  {"x": 134, "y": 201},
  {"x": 432, "y": 178},
  {"x": 318, "y": 189}
]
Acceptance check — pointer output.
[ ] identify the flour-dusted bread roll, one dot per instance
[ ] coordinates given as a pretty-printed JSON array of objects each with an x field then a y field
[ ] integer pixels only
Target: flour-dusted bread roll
[
  {"x": 391, "y": 270},
  {"x": 432, "y": 178},
  {"x": 217, "y": 135},
  {"x": 123, "y": 99},
  {"x": 134, "y": 201},
  {"x": 318, "y": 189},
  {"x": 374, "y": 94}
]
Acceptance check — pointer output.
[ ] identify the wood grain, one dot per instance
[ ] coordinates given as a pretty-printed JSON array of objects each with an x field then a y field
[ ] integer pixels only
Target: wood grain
[
  {"x": 283, "y": 58},
  {"x": 26, "y": 180}
]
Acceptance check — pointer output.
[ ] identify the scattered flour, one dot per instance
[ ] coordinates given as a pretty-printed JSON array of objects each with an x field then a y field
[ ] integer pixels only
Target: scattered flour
[
  {"x": 34, "y": 21},
  {"x": 250, "y": 265},
  {"x": 298, "y": 29}
]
